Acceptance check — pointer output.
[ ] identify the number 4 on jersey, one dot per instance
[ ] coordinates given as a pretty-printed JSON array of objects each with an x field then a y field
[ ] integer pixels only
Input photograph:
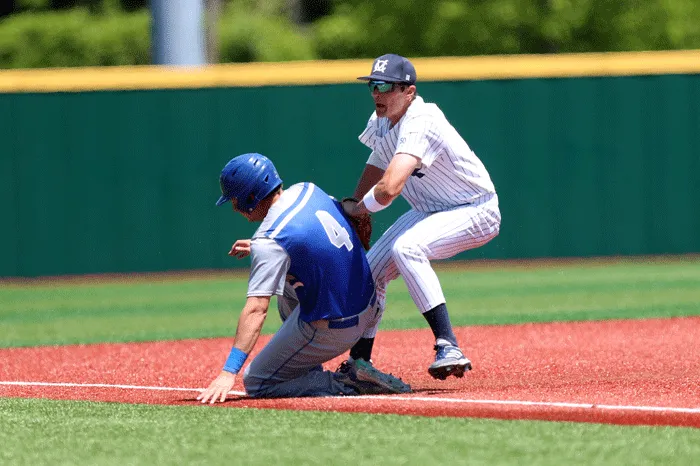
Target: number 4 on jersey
[{"x": 337, "y": 234}]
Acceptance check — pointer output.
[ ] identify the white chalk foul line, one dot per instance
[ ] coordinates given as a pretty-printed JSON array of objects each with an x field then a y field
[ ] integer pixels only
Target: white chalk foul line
[
  {"x": 106, "y": 385},
  {"x": 542, "y": 404}
]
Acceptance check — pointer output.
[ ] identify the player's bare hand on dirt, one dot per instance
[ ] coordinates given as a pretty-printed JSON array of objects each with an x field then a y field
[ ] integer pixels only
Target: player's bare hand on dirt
[
  {"x": 240, "y": 249},
  {"x": 218, "y": 389}
]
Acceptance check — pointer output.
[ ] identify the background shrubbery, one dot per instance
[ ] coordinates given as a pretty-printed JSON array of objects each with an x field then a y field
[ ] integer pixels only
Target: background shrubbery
[
  {"x": 49, "y": 33},
  {"x": 74, "y": 38}
]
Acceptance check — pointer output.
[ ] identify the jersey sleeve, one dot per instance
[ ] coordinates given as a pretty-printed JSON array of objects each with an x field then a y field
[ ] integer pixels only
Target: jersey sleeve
[
  {"x": 368, "y": 136},
  {"x": 418, "y": 137},
  {"x": 376, "y": 159},
  {"x": 268, "y": 270}
]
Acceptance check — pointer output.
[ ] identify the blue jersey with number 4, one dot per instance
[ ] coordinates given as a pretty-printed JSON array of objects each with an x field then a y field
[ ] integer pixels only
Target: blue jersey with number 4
[{"x": 331, "y": 274}]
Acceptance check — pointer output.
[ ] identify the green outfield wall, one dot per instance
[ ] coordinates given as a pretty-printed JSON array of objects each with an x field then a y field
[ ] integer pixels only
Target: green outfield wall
[{"x": 99, "y": 173}]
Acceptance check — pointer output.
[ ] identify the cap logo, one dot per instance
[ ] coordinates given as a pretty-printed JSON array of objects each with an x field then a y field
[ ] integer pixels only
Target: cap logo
[
  {"x": 408, "y": 77},
  {"x": 380, "y": 65}
]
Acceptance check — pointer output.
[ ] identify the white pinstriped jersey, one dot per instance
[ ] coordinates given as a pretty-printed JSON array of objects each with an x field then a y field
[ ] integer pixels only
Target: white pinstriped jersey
[{"x": 450, "y": 174}]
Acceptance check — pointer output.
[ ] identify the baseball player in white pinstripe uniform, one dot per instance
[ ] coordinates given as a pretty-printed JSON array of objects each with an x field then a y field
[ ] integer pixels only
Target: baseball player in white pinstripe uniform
[{"x": 418, "y": 154}]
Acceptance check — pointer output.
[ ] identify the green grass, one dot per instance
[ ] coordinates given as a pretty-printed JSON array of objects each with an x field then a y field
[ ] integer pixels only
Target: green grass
[
  {"x": 561, "y": 293},
  {"x": 172, "y": 309},
  {"x": 138, "y": 310},
  {"x": 37, "y": 432}
]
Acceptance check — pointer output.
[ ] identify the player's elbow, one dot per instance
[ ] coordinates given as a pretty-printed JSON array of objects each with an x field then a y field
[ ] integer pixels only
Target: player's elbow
[
  {"x": 259, "y": 310},
  {"x": 256, "y": 307}
]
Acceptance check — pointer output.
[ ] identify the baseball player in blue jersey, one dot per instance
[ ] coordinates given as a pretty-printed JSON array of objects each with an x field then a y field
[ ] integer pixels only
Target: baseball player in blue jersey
[
  {"x": 418, "y": 154},
  {"x": 307, "y": 253}
]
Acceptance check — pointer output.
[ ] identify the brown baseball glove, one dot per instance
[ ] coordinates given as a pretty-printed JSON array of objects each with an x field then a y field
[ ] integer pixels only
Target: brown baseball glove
[{"x": 361, "y": 224}]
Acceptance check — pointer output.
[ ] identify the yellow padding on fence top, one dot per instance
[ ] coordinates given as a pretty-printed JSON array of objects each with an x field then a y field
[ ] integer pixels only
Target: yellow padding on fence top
[{"x": 345, "y": 71}]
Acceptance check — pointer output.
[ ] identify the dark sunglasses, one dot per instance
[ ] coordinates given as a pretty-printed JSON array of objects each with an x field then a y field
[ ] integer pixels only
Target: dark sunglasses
[{"x": 381, "y": 86}]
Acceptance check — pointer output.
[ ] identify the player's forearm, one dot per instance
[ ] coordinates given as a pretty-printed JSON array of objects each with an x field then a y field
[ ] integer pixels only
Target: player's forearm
[
  {"x": 370, "y": 177},
  {"x": 387, "y": 190},
  {"x": 375, "y": 200},
  {"x": 250, "y": 323},
  {"x": 389, "y": 186}
]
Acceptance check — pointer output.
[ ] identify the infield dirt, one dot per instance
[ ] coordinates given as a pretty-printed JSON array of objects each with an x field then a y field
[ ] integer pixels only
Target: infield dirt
[{"x": 617, "y": 371}]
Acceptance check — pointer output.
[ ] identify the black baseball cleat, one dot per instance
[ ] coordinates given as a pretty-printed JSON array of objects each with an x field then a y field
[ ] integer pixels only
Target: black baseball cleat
[{"x": 365, "y": 372}]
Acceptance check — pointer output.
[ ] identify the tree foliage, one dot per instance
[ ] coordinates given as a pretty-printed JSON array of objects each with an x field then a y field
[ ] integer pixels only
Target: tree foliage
[
  {"x": 44, "y": 33},
  {"x": 74, "y": 38},
  {"x": 246, "y": 36},
  {"x": 477, "y": 27}
]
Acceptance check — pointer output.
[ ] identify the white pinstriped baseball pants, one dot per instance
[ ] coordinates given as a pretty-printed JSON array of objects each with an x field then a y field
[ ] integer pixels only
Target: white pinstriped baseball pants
[{"x": 416, "y": 238}]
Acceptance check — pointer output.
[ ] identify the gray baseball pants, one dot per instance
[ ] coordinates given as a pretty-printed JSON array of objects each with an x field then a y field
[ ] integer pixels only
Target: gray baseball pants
[{"x": 290, "y": 364}]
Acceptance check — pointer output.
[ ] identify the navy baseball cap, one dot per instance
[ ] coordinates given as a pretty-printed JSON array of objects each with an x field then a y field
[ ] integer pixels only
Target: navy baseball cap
[{"x": 392, "y": 68}]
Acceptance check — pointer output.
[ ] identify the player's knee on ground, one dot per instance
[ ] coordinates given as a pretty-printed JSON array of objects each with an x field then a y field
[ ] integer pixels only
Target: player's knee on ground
[{"x": 251, "y": 383}]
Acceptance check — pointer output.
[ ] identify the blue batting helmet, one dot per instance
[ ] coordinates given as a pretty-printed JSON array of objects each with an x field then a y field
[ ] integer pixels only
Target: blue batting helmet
[{"x": 248, "y": 178}]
